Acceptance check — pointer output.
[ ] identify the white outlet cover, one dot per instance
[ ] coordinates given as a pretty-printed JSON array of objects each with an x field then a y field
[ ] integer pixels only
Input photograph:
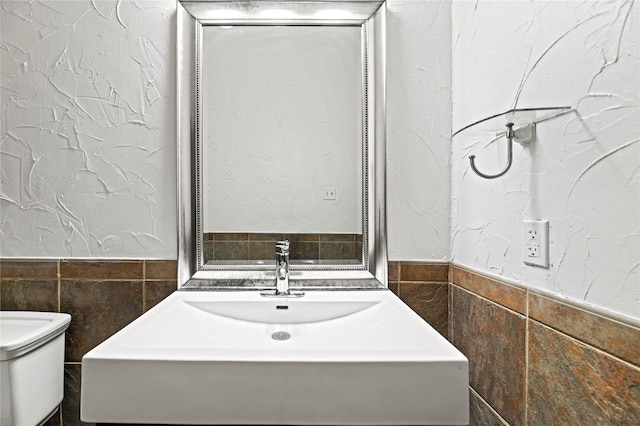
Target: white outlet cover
[
  {"x": 329, "y": 193},
  {"x": 536, "y": 243}
]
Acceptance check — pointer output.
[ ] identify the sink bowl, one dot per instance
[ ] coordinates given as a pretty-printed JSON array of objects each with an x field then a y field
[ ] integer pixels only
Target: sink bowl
[
  {"x": 282, "y": 312},
  {"x": 330, "y": 357}
]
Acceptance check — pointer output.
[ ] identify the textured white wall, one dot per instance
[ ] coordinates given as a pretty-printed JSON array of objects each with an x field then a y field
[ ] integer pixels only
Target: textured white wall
[
  {"x": 88, "y": 129},
  {"x": 582, "y": 172},
  {"x": 88, "y": 136},
  {"x": 419, "y": 129}
]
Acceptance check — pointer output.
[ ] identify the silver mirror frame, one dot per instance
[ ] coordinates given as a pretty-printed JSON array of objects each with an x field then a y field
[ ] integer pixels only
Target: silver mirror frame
[{"x": 371, "y": 17}]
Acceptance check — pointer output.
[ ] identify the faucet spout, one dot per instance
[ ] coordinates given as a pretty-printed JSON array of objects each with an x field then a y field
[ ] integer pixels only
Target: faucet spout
[
  {"x": 282, "y": 274},
  {"x": 282, "y": 267}
]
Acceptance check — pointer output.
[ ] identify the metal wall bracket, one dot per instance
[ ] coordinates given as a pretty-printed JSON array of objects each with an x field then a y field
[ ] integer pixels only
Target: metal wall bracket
[{"x": 525, "y": 135}]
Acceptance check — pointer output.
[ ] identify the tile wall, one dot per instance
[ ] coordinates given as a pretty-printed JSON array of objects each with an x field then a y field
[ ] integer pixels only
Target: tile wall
[
  {"x": 533, "y": 360},
  {"x": 424, "y": 287},
  {"x": 254, "y": 246},
  {"x": 101, "y": 296}
]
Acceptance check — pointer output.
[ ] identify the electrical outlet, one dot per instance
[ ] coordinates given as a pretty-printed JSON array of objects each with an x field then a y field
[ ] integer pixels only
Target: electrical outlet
[
  {"x": 329, "y": 193},
  {"x": 536, "y": 243}
]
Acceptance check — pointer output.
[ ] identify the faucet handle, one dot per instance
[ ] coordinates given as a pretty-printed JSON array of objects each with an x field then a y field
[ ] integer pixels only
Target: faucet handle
[{"x": 282, "y": 247}]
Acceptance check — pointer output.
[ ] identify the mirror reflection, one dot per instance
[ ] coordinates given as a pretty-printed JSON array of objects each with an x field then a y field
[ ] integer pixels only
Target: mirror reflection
[{"x": 281, "y": 151}]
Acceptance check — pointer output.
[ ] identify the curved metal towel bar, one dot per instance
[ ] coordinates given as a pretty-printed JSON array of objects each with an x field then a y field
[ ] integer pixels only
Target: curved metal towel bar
[{"x": 510, "y": 135}]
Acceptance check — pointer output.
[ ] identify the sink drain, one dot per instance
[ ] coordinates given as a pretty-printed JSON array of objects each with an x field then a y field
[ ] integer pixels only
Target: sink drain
[{"x": 280, "y": 335}]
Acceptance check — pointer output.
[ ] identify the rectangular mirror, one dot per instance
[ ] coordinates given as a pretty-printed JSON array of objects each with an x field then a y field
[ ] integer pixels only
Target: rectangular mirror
[
  {"x": 281, "y": 130},
  {"x": 281, "y": 142}
]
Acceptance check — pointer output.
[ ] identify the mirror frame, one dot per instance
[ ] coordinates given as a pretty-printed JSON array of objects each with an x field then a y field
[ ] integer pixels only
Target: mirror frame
[{"x": 370, "y": 16}]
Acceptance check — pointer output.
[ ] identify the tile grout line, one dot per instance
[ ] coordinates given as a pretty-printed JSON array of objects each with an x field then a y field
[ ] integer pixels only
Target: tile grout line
[
  {"x": 450, "y": 310},
  {"x": 588, "y": 346},
  {"x": 144, "y": 285},
  {"x": 59, "y": 286},
  {"x": 492, "y": 301},
  {"x": 398, "y": 277},
  {"x": 491, "y": 409},
  {"x": 584, "y": 311},
  {"x": 526, "y": 359},
  {"x": 578, "y": 339},
  {"x": 450, "y": 303},
  {"x": 451, "y": 313}
]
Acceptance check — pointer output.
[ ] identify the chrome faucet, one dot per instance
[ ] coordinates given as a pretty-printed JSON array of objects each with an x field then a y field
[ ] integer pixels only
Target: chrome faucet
[
  {"x": 282, "y": 274},
  {"x": 282, "y": 268}
]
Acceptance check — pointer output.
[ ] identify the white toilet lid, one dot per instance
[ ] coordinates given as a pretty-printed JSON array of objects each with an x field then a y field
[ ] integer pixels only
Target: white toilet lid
[{"x": 23, "y": 331}]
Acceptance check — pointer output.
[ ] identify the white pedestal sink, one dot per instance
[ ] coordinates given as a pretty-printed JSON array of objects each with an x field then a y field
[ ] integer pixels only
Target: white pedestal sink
[{"x": 328, "y": 358}]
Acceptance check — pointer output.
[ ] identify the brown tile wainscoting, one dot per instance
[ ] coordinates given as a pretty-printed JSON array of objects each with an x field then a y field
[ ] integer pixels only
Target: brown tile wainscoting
[
  {"x": 254, "y": 246},
  {"x": 101, "y": 296},
  {"x": 424, "y": 287},
  {"x": 533, "y": 360},
  {"x": 536, "y": 360}
]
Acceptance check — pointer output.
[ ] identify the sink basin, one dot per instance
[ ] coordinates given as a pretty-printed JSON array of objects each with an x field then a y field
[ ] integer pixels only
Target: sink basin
[
  {"x": 283, "y": 312},
  {"x": 330, "y": 357}
]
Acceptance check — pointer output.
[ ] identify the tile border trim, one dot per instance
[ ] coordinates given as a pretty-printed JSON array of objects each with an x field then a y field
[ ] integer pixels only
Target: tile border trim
[
  {"x": 587, "y": 307},
  {"x": 616, "y": 341}
]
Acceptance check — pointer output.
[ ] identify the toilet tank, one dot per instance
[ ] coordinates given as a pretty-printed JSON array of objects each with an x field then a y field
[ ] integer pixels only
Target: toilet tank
[{"x": 31, "y": 366}]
